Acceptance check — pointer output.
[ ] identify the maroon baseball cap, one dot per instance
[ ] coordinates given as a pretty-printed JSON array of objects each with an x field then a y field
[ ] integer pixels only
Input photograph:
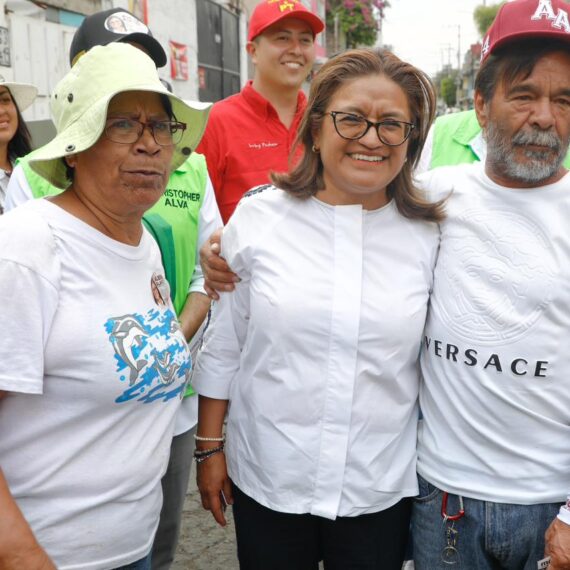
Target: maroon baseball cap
[
  {"x": 269, "y": 12},
  {"x": 525, "y": 19}
]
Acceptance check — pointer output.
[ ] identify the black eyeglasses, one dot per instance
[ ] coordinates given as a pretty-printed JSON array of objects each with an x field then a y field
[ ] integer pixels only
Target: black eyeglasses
[
  {"x": 353, "y": 127},
  {"x": 128, "y": 131}
]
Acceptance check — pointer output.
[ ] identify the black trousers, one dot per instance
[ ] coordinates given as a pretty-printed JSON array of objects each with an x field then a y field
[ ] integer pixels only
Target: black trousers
[{"x": 269, "y": 540}]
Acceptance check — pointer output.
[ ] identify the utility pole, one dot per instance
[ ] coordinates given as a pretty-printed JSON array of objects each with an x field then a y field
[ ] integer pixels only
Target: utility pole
[
  {"x": 459, "y": 48},
  {"x": 336, "y": 33},
  {"x": 459, "y": 80},
  {"x": 449, "y": 49}
]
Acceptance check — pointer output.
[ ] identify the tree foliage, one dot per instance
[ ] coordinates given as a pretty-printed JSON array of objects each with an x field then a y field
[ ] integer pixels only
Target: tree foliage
[
  {"x": 357, "y": 19},
  {"x": 484, "y": 17},
  {"x": 447, "y": 91}
]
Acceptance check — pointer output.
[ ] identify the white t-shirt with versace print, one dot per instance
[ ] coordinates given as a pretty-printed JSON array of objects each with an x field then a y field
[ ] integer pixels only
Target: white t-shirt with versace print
[{"x": 496, "y": 356}]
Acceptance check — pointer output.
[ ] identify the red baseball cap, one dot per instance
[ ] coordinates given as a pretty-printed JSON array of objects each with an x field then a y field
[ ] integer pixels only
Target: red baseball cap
[
  {"x": 269, "y": 12},
  {"x": 520, "y": 19}
]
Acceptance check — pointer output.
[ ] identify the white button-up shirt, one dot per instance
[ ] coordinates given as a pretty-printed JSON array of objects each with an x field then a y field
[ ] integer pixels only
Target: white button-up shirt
[{"x": 317, "y": 352}]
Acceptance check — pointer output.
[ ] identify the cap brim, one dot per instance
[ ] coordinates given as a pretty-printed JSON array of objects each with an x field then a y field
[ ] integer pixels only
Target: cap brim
[
  {"x": 152, "y": 46},
  {"x": 315, "y": 23},
  {"x": 23, "y": 93},
  {"x": 528, "y": 35},
  {"x": 86, "y": 131}
]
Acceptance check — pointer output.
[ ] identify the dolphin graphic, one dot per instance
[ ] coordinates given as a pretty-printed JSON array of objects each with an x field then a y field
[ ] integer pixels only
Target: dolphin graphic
[
  {"x": 166, "y": 371},
  {"x": 127, "y": 334}
]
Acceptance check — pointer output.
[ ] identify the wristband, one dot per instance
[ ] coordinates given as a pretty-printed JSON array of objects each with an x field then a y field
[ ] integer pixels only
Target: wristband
[
  {"x": 203, "y": 455},
  {"x": 564, "y": 513}
]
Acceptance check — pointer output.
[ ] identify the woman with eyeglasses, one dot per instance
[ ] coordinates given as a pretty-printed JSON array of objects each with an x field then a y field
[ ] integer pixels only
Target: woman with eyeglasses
[
  {"x": 94, "y": 364},
  {"x": 313, "y": 356},
  {"x": 15, "y": 139}
]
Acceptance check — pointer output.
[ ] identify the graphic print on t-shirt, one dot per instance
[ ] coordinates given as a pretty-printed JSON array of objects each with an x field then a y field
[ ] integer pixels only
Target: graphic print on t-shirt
[
  {"x": 152, "y": 355},
  {"x": 499, "y": 275}
]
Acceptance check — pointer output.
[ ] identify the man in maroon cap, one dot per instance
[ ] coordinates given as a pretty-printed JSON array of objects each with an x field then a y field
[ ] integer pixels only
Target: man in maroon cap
[
  {"x": 494, "y": 442},
  {"x": 252, "y": 133}
]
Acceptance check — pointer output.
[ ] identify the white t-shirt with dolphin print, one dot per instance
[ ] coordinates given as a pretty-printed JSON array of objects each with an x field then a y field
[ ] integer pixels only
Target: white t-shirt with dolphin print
[{"x": 94, "y": 364}]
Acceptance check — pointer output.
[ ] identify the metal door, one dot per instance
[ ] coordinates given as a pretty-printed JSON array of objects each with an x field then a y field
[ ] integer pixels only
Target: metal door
[{"x": 218, "y": 51}]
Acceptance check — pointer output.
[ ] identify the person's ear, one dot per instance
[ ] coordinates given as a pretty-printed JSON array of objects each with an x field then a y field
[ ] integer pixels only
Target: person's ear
[
  {"x": 71, "y": 160},
  {"x": 316, "y": 136},
  {"x": 251, "y": 48},
  {"x": 481, "y": 109}
]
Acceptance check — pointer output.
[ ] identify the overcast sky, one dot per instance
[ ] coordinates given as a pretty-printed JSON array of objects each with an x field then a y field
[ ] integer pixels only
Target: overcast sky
[{"x": 421, "y": 31}]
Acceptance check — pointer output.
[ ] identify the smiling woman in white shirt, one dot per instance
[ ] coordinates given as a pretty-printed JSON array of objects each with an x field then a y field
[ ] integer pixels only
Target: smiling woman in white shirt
[{"x": 318, "y": 376}]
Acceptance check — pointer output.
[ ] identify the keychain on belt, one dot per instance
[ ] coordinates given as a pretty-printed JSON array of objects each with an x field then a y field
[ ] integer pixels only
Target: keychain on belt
[{"x": 450, "y": 554}]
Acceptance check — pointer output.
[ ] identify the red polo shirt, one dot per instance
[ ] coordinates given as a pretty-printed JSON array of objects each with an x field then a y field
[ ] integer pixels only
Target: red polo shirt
[{"x": 245, "y": 141}]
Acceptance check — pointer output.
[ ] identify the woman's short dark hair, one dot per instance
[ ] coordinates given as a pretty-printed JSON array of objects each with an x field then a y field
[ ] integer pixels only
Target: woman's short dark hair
[
  {"x": 21, "y": 143},
  {"x": 516, "y": 60},
  {"x": 306, "y": 178}
]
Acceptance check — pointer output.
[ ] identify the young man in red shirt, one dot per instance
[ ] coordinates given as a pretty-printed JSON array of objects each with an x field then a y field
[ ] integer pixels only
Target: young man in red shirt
[{"x": 252, "y": 133}]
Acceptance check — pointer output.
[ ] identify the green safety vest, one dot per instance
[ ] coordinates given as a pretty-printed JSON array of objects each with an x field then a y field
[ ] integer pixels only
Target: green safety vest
[{"x": 452, "y": 137}]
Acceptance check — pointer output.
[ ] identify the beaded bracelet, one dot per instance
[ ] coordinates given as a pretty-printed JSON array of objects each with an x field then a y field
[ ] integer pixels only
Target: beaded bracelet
[
  {"x": 203, "y": 455},
  {"x": 200, "y": 438},
  {"x": 200, "y": 452}
]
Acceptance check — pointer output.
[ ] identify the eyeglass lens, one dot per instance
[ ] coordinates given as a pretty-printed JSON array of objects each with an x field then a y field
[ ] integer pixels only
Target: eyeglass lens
[
  {"x": 390, "y": 132},
  {"x": 128, "y": 131}
]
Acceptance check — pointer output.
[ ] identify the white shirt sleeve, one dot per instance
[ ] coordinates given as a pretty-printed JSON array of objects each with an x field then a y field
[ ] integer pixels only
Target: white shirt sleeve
[
  {"x": 219, "y": 358},
  {"x": 18, "y": 190},
  {"x": 209, "y": 220},
  {"x": 425, "y": 158},
  {"x": 29, "y": 277},
  {"x": 564, "y": 514}
]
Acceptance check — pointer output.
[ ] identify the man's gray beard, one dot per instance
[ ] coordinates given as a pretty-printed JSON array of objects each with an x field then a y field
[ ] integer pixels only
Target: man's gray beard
[{"x": 539, "y": 167}]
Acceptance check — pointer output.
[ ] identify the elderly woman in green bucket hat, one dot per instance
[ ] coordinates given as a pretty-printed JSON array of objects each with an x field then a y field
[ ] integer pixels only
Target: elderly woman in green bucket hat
[{"x": 93, "y": 364}]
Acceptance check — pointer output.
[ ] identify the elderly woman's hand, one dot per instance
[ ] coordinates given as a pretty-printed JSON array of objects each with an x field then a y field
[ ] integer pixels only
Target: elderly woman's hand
[
  {"x": 33, "y": 558},
  {"x": 217, "y": 273},
  {"x": 215, "y": 486},
  {"x": 19, "y": 548}
]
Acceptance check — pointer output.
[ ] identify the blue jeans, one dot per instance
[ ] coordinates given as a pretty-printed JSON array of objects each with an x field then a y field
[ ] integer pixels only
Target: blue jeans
[
  {"x": 142, "y": 564},
  {"x": 491, "y": 536}
]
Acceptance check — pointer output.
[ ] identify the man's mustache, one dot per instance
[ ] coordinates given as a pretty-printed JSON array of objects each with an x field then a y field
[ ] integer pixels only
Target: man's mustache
[{"x": 537, "y": 137}]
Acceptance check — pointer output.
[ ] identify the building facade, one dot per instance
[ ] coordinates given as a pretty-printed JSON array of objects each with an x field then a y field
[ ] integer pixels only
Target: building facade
[{"x": 204, "y": 40}]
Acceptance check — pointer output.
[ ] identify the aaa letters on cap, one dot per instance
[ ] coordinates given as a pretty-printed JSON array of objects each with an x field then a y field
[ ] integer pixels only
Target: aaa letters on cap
[{"x": 520, "y": 19}]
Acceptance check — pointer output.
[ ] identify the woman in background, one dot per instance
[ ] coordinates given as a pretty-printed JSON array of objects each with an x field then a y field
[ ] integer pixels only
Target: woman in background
[{"x": 15, "y": 140}]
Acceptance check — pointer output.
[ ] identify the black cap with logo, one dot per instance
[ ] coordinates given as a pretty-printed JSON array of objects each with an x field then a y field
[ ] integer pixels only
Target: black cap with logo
[{"x": 115, "y": 25}]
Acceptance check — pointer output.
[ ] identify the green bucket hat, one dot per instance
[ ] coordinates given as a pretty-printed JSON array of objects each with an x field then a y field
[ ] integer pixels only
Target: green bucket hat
[{"x": 80, "y": 101}]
